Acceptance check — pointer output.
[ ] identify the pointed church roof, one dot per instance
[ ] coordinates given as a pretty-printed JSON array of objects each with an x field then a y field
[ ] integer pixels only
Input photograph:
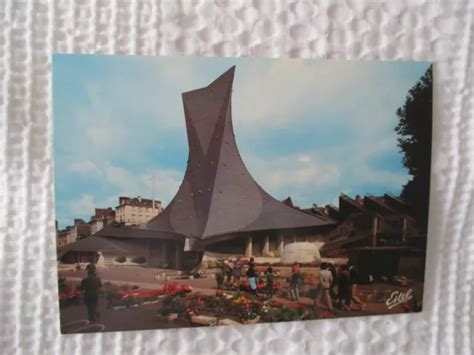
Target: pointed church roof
[{"x": 218, "y": 196}]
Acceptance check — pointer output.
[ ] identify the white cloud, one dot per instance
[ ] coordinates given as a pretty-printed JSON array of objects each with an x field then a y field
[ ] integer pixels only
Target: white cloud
[
  {"x": 298, "y": 170},
  {"x": 83, "y": 206},
  {"x": 163, "y": 183},
  {"x": 278, "y": 93},
  {"x": 125, "y": 181},
  {"x": 107, "y": 136},
  {"x": 84, "y": 167},
  {"x": 130, "y": 115},
  {"x": 310, "y": 175}
]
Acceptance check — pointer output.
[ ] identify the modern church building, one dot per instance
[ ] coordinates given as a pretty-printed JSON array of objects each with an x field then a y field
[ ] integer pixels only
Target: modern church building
[{"x": 218, "y": 207}]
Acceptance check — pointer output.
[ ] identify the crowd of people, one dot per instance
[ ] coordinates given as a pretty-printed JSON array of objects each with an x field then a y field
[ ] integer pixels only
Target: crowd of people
[
  {"x": 330, "y": 278},
  {"x": 336, "y": 284},
  {"x": 343, "y": 279}
]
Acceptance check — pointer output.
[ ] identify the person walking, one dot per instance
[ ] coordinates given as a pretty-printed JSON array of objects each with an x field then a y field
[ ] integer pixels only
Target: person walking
[
  {"x": 295, "y": 268},
  {"x": 228, "y": 270},
  {"x": 333, "y": 271},
  {"x": 252, "y": 279},
  {"x": 91, "y": 285},
  {"x": 270, "y": 277},
  {"x": 353, "y": 280},
  {"x": 295, "y": 280},
  {"x": 91, "y": 267},
  {"x": 325, "y": 281},
  {"x": 237, "y": 270},
  {"x": 344, "y": 288}
]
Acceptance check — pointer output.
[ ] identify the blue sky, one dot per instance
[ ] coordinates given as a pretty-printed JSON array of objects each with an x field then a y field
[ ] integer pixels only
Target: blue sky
[{"x": 305, "y": 128}]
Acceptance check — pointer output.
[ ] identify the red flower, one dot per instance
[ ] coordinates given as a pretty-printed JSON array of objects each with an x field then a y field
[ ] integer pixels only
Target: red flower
[
  {"x": 295, "y": 305},
  {"x": 326, "y": 314},
  {"x": 276, "y": 303}
]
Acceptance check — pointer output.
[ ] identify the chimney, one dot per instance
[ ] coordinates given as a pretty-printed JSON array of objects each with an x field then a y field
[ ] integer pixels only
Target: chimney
[
  {"x": 326, "y": 210},
  {"x": 359, "y": 200}
]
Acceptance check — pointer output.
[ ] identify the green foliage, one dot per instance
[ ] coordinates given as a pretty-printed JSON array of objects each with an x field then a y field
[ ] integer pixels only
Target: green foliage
[
  {"x": 120, "y": 259},
  {"x": 414, "y": 140},
  {"x": 139, "y": 260},
  {"x": 284, "y": 314},
  {"x": 172, "y": 305},
  {"x": 309, "y": 315}
]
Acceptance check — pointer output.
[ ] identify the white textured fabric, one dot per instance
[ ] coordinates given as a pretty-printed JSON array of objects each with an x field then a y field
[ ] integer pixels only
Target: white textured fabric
[{"x": 384, "y": 30}]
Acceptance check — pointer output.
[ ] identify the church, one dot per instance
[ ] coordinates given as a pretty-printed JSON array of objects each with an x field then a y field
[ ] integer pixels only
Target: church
[{"x": 219, "y": 207}]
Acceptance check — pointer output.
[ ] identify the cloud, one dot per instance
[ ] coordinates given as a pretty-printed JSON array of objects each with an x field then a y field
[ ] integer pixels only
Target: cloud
[
  {"x": 162, "y": 183},
  {"x": 292, "y": 170},
  {"x": 83, "y": 206},
  {"x": 280, "y": 92},
  {"x": 123, "y": 180},
  {"x": 129, "y": 122},
  {"x": 84, "y": 167},
  {"x": 320, "y": 176},
  {"x": 107, "y": 136}
]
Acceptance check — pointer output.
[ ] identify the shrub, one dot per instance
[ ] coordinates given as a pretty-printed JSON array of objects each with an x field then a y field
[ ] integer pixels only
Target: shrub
[
  {"x": 168, "y": 300},
  {"x": 172, "y": 305},
  {"x": 139, "y": 260},
  {"x": 121, "y": 259},
  {"x": 284, "y": 314}
]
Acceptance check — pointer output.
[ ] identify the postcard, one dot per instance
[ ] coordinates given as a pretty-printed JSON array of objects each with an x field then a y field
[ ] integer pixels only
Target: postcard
[{"x": 196, "y": 192}]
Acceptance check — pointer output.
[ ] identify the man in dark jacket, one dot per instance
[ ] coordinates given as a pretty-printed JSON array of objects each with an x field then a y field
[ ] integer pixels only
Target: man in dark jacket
[
  {"x": 353, "y": 280},
  {"x": 344, "y": 291},
  {"x": 90, "y": 286},
  {"x": 252, "y": 279}
]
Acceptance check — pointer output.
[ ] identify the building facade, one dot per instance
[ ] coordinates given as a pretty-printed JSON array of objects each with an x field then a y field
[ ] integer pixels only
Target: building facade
[
  {"x": 79, "y": 230},
  {"x": 136, "y": 210},
  {"x": 219, "y": 207},
  {"x": 102, "y": 218},
  {"x": 382, "y": 221}
]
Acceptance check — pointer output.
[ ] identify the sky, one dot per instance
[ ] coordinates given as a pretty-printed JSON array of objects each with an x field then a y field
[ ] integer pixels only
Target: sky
[{"x": 308, "y": 129}]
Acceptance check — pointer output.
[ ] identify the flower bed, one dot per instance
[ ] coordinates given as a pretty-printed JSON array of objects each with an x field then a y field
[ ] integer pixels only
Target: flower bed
[
  {"x": 69, "y": 296},
  {"x": 248, "y": 309},
  {"x": 243, "y": 286},
  {"x": 129, "y": 297}
]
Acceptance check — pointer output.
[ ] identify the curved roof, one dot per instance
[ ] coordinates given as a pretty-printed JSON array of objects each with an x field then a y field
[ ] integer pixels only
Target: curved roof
[{"x": 218, "y": 196}]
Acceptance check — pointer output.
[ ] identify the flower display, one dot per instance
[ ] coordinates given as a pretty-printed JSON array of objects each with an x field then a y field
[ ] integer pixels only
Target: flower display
[
  {"x": 135, "y": 296},
  {"x": 326, "y": 314},
  {"x": 67, "y": 296}
]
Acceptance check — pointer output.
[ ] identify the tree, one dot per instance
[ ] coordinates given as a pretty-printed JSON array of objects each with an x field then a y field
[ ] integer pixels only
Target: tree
[{"x": 414, "y": 140}]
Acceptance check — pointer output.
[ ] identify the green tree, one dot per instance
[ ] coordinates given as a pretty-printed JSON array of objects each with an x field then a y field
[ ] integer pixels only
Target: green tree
[{"x": 414, "y": 139}]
